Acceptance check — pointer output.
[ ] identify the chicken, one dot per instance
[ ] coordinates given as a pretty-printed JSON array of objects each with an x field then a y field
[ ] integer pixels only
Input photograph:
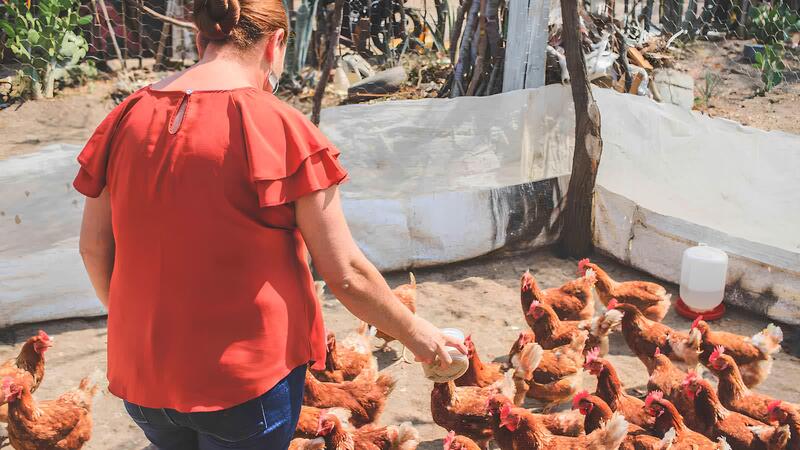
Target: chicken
[
  {"x": 364, "y": 397},
  {"x": 787, "y": 415},
  {"x": 344, "y": 362},
  {"x": 668, "y": 379},
  {"x": 740, "y": 432},
  {"x": 669, "y": 424},
  {"x": 463, "y": 409},
  {"x": 644, "y": 336},
  {"x": 650, "y": 298},
  {"x": 339, "y": 436},
  {"x": 61, "y": 424},
  {"x": 551, "y": 332},
  {"x": 525, "y": 337},
  {"x": 308, "y": 423},
  {"x": 527, "y": 433},
  {"x": 27, "y": 367},
  {"x": 572, "y": 301},
  {"x": 752, "y": 355},
  {"x": 478, "y": 373},
  {"x": 610, "y": 390},
  {"x": 307, "y": 444},
  {"x": 598, "y": 412},
  {"x": 566, "y": 423},
  {"x": 550, "y": 376},
  {"x": 733, "y": 394},
  {"x": 454, "y": 441},
  {"x": 407, "y": 294}
]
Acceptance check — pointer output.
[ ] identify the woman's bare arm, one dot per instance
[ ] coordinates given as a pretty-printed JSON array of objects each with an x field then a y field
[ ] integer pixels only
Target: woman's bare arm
[
  {"x": 357, "y": 283},
  {"x": 97, "y": 244}
]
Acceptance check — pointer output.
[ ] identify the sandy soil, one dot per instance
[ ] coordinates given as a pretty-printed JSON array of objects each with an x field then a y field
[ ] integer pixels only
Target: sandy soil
[{"x": 480, "y": 297}]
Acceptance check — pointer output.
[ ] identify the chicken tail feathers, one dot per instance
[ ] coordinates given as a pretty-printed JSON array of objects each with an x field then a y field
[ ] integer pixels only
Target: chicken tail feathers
[
  {"x": 412, "y": 280},
  {"x": 407, "y": 437},
  {"x": 611, "y": 434},
  {"x": 385, "y": 383},
  {"x": 769, "y": 339},
  {"x": 668, "y": 439}
]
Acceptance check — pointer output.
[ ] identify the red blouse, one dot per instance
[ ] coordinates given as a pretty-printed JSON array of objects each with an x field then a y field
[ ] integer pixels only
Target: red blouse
[{"x": 211, "y": 300}]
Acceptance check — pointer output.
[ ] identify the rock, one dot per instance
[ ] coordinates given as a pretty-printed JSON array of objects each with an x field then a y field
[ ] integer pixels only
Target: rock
[
  {"x": 749, "y": 52},
  {"x": 675, "y": 87},
  {"x": 115, "y": 65},
  {"x": 382, "y": 83}
]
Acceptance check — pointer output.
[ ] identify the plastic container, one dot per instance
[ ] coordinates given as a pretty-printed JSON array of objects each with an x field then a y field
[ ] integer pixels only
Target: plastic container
[
  {"x": 704, "y": 271},
  {"x": 435, "y": 373}
]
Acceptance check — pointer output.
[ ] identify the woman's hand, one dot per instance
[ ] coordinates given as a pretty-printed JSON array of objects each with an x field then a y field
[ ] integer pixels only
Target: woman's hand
[
  {"x": 427, "y": 343},
  {"x": 357, "y": 284}
]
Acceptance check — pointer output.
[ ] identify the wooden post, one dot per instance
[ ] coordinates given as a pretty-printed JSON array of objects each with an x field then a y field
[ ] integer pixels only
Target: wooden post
[
  {"x": 334, "y": 23},
  {"x": 527, "y": 43},
  {"x": 576, "y": 233}
]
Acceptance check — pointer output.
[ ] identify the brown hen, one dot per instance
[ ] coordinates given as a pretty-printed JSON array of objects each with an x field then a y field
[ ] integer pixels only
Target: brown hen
[
  {"x": 61, "y": 424},
  {"x": 650, "y": 298},
  {"x": 572, "y": 301}
]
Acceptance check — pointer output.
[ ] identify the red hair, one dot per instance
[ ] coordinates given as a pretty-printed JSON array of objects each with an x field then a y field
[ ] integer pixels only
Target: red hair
[{"x": 240, "y": 22}]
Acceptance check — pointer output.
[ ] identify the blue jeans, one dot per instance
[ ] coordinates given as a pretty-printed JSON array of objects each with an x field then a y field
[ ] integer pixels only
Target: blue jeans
[{"x": 264, "y": 423}]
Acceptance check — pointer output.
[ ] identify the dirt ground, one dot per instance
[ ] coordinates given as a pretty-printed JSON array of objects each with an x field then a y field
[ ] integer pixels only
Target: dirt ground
[
  {"x": 734, "y": 94},
  {"x": 74, "y": 113},
  {"x": 479, "y": 297}
]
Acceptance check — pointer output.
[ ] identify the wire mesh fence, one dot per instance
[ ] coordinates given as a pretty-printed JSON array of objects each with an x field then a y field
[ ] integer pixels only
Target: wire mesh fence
[{"x": 398, "y": 49}]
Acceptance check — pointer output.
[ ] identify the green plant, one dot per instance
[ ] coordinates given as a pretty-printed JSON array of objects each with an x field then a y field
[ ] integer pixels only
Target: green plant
[
  {"x": 773, "y": 23},
  {"x": 45, "y": 38},
  {"x": 770, "y": 63},
  {"x": 708, "y": 89}
]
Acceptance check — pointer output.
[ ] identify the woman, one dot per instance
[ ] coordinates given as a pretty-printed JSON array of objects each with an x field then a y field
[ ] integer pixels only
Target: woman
[{"x": 204, "y": 191}]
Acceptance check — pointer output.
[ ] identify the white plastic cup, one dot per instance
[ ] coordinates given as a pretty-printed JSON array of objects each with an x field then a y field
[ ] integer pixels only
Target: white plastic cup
[{"x": 434, "y": 371}]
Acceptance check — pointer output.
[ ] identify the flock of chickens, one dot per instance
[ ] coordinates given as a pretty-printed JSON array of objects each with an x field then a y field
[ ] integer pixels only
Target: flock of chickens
[
  {"x": 343, "y": 402},
  {"x": 682, "y": 410}
]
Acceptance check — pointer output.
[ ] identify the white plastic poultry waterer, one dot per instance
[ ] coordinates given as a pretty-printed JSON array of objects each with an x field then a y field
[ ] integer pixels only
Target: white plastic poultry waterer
[{"x": 704, "y": 271}]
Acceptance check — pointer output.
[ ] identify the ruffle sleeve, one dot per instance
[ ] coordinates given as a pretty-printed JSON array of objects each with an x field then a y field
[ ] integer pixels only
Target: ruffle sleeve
[
  {"x": 288, "y": 156},
  {"x": 93, "y": 159}
]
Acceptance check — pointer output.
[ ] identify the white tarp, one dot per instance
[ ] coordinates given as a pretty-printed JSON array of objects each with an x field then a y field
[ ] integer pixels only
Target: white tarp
[{"x": 438, "y": 181}]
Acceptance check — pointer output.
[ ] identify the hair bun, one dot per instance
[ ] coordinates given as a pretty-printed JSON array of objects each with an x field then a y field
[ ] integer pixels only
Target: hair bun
[{"x": 215, "y": 19}]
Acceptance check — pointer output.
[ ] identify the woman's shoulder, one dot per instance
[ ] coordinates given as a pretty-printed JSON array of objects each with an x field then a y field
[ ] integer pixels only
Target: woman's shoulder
[{"x": 268, "y": 104}]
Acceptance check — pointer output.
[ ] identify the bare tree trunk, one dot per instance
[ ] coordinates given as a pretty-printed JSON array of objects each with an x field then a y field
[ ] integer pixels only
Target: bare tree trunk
[
  {"x": 334, "y": 22},
  {"x": 576, "y": 234},
  {"x": 112, "y": 35},
  {"x": 477, "y": 70}
]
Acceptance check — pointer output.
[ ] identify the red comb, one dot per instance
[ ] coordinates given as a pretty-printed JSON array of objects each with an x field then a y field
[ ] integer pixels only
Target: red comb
[
  {"x": 504, "y": 412},
  {"x": 697, "y": 321},
  {"x": 657, "y": 352},
  {"x": 718, "y": 351},
  {"x": 772, "y": 405},
  {"x": 582, "y": 263},
  {"x": 534, "y": 304},
  {"x": 43, "y": 335},
  {"x": 576, "y": 401},
  {"x": 613, "y": 303},
  {"x": 655, "y": 396},
  {"x": 448, "y": 441},
  {"x": 468, "y": 339}
]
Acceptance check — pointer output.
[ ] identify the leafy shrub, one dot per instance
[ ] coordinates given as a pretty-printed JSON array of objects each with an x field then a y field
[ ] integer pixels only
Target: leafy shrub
[
  {"x": 773, "y": 24},
  {"x": 770, "y": 63},
  {"x": 46, "y": 39}
]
